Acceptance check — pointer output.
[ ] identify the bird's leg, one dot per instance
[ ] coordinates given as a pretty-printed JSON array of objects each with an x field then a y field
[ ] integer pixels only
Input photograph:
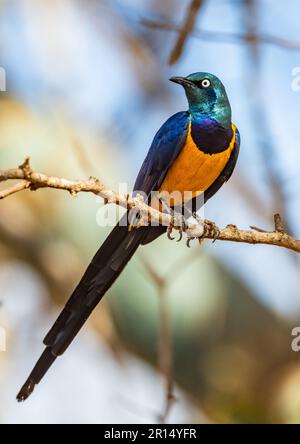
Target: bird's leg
[
  {"x": 200, "y": 225},
  {"x": 169, "y": 211},
  {"x": 183, "y": 225},
  {"x": 198, "y": 232},
  {"x": 208, "y": 228},
  {"x": 197, "y": 217},
  {"x": 180, "y": 223}
]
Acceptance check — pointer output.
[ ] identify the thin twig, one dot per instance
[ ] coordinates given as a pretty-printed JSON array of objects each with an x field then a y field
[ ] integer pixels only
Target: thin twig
[
  {"x": 165, "y": 353},
  {"x": 279, "y": 227},
  {"x": 226, "y": 37},
  {"x": 14, "y": 189},
  {"x": 260, "y": 230}
]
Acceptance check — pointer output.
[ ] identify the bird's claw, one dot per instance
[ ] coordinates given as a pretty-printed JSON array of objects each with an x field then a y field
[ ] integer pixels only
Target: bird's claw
[
  {"x": 188, "y": 241},
  {"x": 197, "y": 217},
  {"x": 169, "y": 233},
  {"x": 199, "y": 236},
  {"x": 178, "y": 222},
  {"x": 180, "y": 236}
]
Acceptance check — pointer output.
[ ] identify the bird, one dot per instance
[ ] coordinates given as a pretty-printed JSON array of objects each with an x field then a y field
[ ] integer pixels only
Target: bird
[{"x": 194, "y": 151}]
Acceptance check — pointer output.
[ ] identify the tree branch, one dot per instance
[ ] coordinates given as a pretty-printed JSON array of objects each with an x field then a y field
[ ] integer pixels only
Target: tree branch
[
  {"x": 14, "y": 189},
  {"x": 93, "y": 185},
  {"x": 226, "y": 37},
  {"x": 165, "y": 355},
  {"x": 185, "y": 30}
]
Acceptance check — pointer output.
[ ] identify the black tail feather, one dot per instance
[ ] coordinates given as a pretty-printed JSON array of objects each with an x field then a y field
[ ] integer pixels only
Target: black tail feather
[
  {"x": 41, "y": 367},
  {"x": 104, "y": 269}
]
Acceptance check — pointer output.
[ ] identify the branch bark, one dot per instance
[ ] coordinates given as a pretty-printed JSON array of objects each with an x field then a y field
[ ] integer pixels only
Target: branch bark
[{"x": 34, "y": 180}]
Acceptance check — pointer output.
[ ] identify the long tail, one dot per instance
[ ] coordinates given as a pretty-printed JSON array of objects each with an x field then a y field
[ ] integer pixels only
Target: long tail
[{"x": 106, "y": 266}]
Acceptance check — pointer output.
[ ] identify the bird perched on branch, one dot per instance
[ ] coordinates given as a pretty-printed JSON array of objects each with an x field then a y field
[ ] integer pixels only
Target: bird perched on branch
[{"x": 192, "y": 154}]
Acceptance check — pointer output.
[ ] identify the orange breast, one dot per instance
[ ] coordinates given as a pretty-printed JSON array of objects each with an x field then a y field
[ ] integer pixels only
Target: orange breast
[{"x": 193, "y": 171}]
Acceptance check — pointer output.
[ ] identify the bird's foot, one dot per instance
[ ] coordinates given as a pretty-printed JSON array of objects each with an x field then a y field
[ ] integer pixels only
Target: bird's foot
[
  {"x": 197, "y": 217},
  {"x": 203, "y": 228},
  {"x": 196, "y": 231},
  {"x": 179, "y": 223}
]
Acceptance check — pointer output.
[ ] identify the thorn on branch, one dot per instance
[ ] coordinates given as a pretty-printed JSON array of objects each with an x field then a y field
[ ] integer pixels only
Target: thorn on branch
[
  {"x": 232, "y": 227},
  {"x": 94, "y": 180},
  {"x": 279, "y": 227},
  {"x": 211, "y": 229},
  {"x": 26, "y": 168},
  {"x": 259, "y": 230},
  {"x": 73, "y": 193}
]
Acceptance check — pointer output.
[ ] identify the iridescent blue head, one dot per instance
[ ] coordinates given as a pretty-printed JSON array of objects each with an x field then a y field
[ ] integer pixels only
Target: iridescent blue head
[{"x": 206, "y": 96}]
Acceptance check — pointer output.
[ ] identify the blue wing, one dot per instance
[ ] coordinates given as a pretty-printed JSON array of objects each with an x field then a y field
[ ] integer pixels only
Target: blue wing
[{"x": 166, "y": 145}]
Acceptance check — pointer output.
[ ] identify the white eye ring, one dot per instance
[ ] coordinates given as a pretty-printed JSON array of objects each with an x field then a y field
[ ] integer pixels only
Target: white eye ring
[{"x": 205, "y": 83}]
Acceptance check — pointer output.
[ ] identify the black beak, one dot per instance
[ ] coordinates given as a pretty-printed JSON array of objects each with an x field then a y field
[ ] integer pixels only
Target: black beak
[{"x": 181, "y": 81}]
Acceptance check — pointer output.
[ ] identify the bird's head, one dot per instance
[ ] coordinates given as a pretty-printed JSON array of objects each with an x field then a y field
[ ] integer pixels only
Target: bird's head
[{"x": 206, "y": 96}]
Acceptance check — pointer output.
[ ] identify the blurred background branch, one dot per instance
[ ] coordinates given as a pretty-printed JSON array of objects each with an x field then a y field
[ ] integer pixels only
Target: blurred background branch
[
  {"x": 185, "y": 30},
  {"x": 221, "y": 37}
]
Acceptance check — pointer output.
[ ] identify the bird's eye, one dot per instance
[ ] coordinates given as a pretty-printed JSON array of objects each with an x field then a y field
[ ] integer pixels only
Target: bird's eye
[{"x": 205, "y": 83}]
